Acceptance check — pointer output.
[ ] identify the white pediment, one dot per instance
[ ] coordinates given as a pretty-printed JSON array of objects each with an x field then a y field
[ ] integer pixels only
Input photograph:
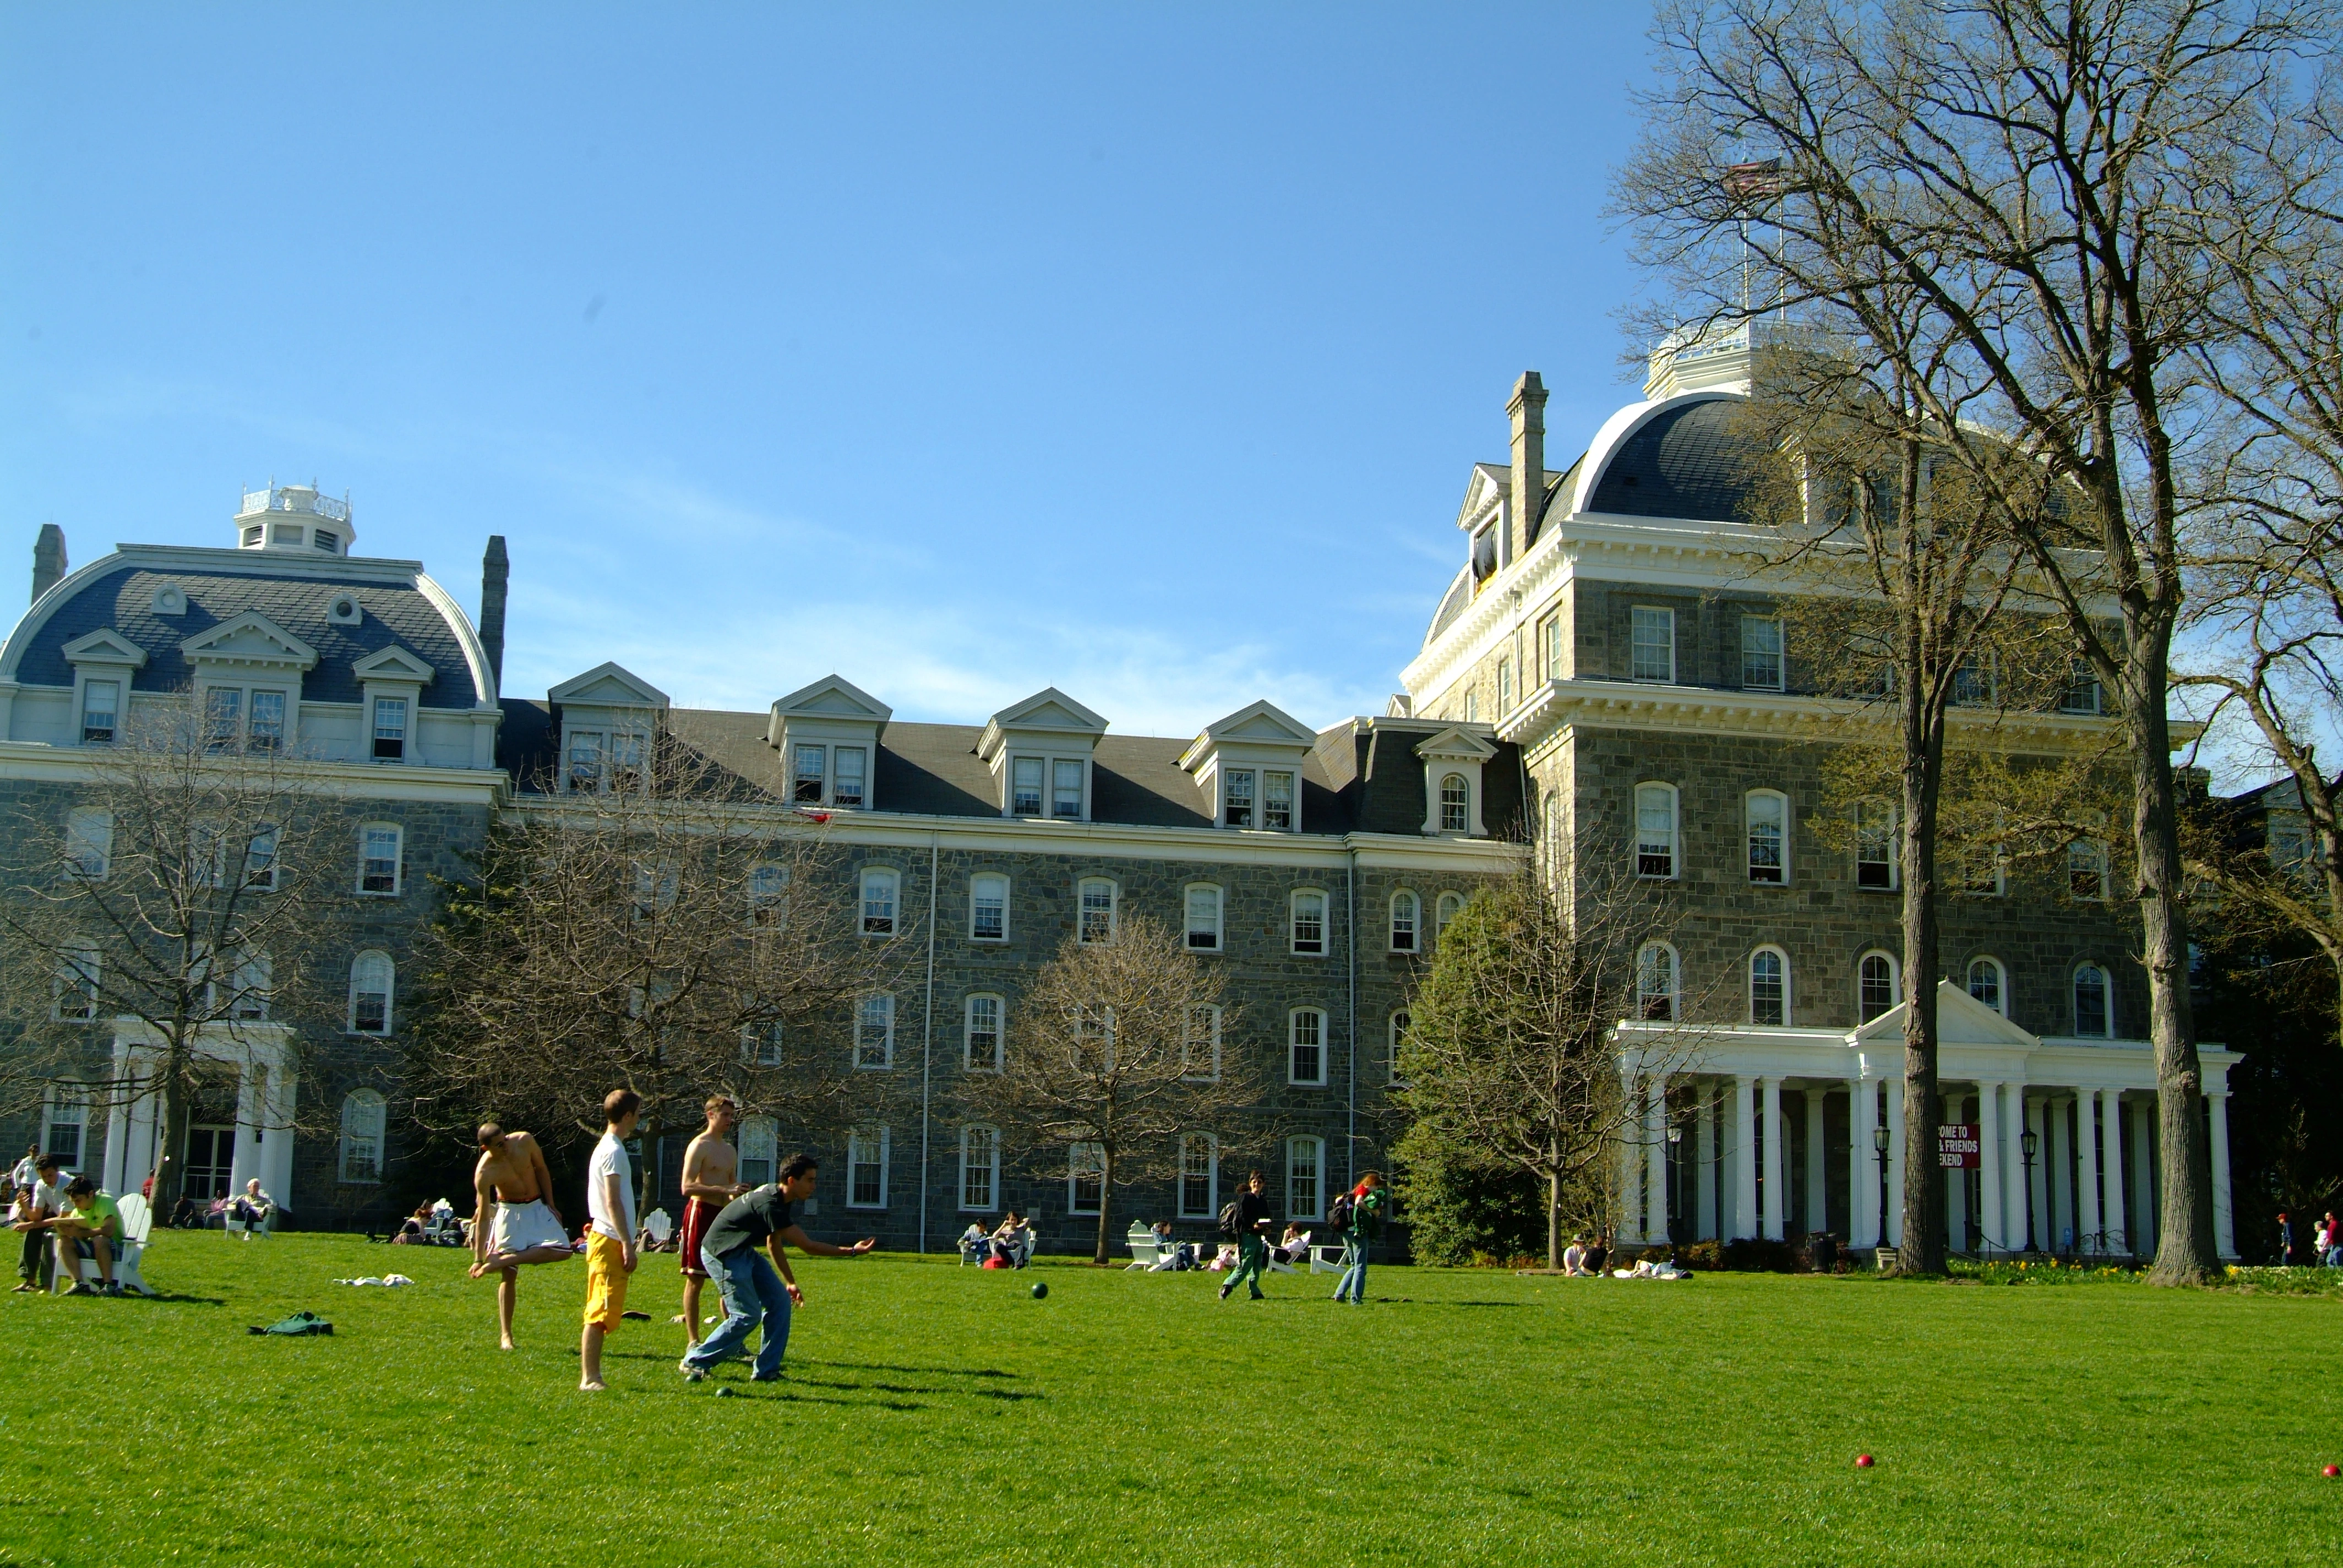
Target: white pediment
[
  {"x": 394, "y": 664},
  {"x": 1047, "y": 712},
  {"x": 1459, "y": 744},
  {"x": 249, "y": 639},
  {"x": 1961, "y": 1019},
  {"x": 1258, "y": 726},
  {"x": 833, "y": 697},
  {"x": 104, "y": 646},
  {"x": 607, "y": 685}
]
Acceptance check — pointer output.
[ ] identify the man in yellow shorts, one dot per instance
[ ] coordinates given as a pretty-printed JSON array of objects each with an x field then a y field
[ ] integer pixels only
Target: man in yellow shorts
[{"x": 610, "y": 1242}]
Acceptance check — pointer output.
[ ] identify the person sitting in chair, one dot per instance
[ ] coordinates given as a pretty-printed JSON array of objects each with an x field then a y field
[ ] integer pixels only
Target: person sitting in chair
[
  {"x": 252, "y": 1207},
  {"x": 975, "y": 1244},
  {"x": 1013, "y": 1243},
  {"x": 1291, "y": 1248},
  {"x": 92, "y": 1228},
  {"x": 38, "y": 1205}
]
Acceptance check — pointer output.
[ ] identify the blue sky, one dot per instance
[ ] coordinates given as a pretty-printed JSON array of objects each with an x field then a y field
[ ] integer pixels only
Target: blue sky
[{"x": 961, "y": 350}]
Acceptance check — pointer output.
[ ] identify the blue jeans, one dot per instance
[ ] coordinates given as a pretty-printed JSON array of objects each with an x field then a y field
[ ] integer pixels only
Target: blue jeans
[
  {"x": 751, "y": 1291},
  {"x": 1353, "y": 1285}
]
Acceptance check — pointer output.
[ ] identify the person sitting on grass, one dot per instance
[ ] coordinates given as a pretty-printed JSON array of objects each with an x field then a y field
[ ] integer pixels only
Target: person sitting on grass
[
  {"x": 92, "y": 1228},
  {"x": 410, "y": 1230},
  {"x": 38, "y": 1208}
]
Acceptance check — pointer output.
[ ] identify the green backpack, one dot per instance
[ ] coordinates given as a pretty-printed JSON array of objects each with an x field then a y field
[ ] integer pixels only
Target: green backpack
[{"x": 302, "y": 1323}]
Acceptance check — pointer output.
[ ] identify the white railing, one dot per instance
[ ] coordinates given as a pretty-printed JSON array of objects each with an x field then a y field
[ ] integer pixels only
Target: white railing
[{"x": 293, "y": 498}]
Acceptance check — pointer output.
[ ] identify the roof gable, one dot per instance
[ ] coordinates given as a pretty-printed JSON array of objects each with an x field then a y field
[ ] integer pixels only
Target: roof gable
[
  {"x": 833, "y": 696},
  {"x": 1961, "y": 1019},
  {"x": 1458, "y": 742},
  {"x": 104, "y": 646},
  {"x": 394, "y": 663},
  {"x": 250, "y": 638},
  {"x": 608, "y": 684}
]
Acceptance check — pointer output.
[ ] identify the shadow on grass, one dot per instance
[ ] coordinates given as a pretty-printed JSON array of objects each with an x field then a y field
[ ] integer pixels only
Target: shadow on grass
[{"x": 926, "y": 1371}]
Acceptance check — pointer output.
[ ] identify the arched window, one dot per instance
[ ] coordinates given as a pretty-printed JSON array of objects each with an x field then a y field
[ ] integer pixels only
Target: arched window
[
  {"x": 1769, "y": 987},
  {"x": 1450, "y": 906},
  {"x": 983, "y": 1035},
  {"x": 1305, "y": 1037},
  {"x": 1199, "y": 1176},
  {"x": 1876, "y": 989},
  {"x": 1406, "y": 915},
  {"x": 362, "y": 1126},
  {"x": 760, "y": 1149},
  {"x": 1989, "y": 985},
  {"x": 2094, "y": 1002},
  {"x": 1308, "y": 922},
  {"x": 979, "y": 1170},
  {"x": 988, "y": 908},
  {"x": 371, "y": 977},
  {"x": 1768, "y": 814},
  {"x": 1097, "y": 898},
  {"x": 880, "y": 889},
  {"x": 1085, "y": 1178},
  {"x": 74, "y": 991},
  {"x": 1656, "y": 982},
  {"x": 2087, "y": 870},
  {"x": 1655, "y": 829},
  {"x": 1456, "y": 804},
  {"x": 874, "y": 1032}
]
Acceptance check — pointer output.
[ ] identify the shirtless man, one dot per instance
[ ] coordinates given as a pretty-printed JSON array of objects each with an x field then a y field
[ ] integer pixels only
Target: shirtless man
[
  {"x": 709, "y": 1168},
  {"x": 512, "y": 1180}
]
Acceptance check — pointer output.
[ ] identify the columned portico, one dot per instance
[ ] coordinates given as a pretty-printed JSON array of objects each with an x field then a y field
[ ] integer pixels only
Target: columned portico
[
  {"x": 1992, "y": 1236},
  {"x": 259, "y": 1057},
  {"x": 2111, "y": 1134},
  {"x": 1745, "y": 1157},
  {"x": 1655, "y": 1158},
  {"x": 1704, "y": 1151},
  {"x": 1817, "y": 1181},
  {"x": 1773, "y": 1174},
  {"x": 1861, "y": 1167}
]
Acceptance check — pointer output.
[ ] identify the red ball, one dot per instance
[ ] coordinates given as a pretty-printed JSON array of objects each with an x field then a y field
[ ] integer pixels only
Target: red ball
[
  {"x": 2331, "y": 1472},
  {"x": 1863, "y": 1462}
]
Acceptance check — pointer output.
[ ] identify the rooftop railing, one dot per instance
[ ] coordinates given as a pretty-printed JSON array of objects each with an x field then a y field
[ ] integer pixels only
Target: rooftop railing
[{"x": 293, "y": 498}]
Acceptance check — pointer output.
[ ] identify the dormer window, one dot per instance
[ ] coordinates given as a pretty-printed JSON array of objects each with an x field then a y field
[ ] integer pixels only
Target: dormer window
[
  {"x": 390, "y": 728},
  {"x": 846, "y": 784},
  {"x": 1277, "y": 801},
  {"x": 1236, "y": 794},
  {"x": 825, "y": 775},
  {"x": 1456, "y": 804},
  {"x": 585, "y": 759},
  {"x": 1066, "y": 788},
  {"x": 243, "y": 719},
  {"x": 101, "y": 708},
  {"x": 1025, "y": 787},
  {"x": 812, "y": 769}
]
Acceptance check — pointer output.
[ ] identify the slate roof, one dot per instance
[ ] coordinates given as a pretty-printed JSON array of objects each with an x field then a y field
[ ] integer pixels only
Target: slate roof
[
  {"x": 124, "y": 601},
  {"x": 1688, "y": 462},
  {"x": 933, "y": 771}
]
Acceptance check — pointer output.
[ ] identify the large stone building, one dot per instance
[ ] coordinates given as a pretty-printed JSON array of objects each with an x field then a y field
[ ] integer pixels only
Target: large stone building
[
  {"x": 1609, "y": 623},
  {"x": 1605, "y": 675}
]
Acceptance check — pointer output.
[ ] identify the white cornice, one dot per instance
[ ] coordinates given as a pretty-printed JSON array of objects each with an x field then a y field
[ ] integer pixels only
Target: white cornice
[{"x": 36, "y": 763}]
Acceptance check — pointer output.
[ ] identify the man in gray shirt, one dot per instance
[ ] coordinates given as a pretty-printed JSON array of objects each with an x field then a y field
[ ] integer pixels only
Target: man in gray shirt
[{"x": 752, "y": 1290}]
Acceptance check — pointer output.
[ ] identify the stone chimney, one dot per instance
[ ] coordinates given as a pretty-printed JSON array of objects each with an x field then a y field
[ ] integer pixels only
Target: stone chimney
[
  {"x": 496, "y": 572},
  {"x": 48, "y": 558},
  {"x": 1526, "y": 407}
]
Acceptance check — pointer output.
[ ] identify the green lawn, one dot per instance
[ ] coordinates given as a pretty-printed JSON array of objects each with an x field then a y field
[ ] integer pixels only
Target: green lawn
[{"x": 932, "y": 1413}]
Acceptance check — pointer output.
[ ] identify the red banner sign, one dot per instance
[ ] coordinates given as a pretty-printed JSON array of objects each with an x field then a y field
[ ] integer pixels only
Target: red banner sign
[{"x": 1957, "y": 1148}]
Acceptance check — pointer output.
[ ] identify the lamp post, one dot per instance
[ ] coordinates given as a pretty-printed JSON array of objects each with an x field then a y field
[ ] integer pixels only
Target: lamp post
[
  {"x": 1675, "y": 1139},
  {"x": 1879, "y": 1143},
  {"x": 2028, "y": 1141}
]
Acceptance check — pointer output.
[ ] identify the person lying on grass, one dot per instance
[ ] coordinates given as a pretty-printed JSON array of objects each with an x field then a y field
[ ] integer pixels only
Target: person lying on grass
[
  {"x": 92, "y": 1228},
  {"x": 512, "y": 1180}
]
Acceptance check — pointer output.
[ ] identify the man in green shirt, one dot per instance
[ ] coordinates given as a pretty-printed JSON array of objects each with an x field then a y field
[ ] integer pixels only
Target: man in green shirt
[{"x": 90, "y": 1227}]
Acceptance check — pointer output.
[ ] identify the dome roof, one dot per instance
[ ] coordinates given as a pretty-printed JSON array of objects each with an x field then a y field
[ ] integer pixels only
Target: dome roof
[{"x": 1686, "y": 460}]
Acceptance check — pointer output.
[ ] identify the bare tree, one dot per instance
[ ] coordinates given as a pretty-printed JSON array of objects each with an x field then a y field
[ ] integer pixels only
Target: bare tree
[
  {"x": 664, "y": 934},
  {"x": 168, "y": 898},
  {"x": 1118, "y": 1049},
  {"x": 2032, "y": 171},
  {"x": 1511, "y": 1055}
]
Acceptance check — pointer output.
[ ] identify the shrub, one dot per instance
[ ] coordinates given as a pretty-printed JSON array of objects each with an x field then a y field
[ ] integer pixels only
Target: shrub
[
  {"x": 1756, "y": 1255},
  {"x": 1460, "y": 1215}
]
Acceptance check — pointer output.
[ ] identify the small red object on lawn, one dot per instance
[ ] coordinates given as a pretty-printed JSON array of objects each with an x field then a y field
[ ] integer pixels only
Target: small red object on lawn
[
  {"x": 1863, "y": 1462},
  {"x": 2331, "y": 1472}
]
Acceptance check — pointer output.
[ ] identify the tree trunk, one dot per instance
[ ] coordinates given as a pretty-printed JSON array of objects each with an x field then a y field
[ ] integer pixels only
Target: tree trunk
[
  {"x": 2185, "y": 1253},
  {"x": 1106, "y": 1204},
  {"x": 171, "y": 1168},
  {"x": 1552, "y": 1218},
  {"x": 647, "y": 1182},
  {"x": 1921, "y": 1249}
]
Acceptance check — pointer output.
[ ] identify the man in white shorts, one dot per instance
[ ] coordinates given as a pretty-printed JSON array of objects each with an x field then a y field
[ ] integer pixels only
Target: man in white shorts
[{"x": 512, "y": 1180}]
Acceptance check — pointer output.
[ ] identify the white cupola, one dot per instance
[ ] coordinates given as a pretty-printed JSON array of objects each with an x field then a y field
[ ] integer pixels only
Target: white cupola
[{"x": 295, "y": 517}]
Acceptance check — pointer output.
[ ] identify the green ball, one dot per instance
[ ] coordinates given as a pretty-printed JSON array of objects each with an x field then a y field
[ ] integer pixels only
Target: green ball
[{"x": 1040, "y": 1289}]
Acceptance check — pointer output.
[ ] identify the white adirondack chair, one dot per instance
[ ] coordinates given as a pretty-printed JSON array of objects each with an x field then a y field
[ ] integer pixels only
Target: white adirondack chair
[
  {"x": 1326, "y": 1258},
  {"x": 1145, "y": 1250},
  {"x": 1301, "y": 1248},
  {"x": 137, "y": 1226},
  {"x": 660, "y": 1226}
]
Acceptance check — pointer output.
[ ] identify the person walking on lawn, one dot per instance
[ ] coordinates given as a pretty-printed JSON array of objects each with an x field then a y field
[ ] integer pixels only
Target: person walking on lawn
[
  {"x": 610, "y": 1234},
  {"x": 711, "y": 1170},
  {"x": 1249, "y": 1221},
  {"x": 1366, "y": 1223},
  {"x": 752, "y": 1290}
]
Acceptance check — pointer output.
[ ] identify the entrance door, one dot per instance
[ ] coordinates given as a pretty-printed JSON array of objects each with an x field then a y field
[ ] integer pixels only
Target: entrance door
[{"x": 211, "y": 1161}]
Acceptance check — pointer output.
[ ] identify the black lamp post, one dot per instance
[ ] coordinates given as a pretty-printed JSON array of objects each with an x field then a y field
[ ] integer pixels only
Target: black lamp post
[
  {"x": 1675, "y": 1138},
  {"x": 1879, "y": 1142},
  {"x": 2029, "y": 1141}
]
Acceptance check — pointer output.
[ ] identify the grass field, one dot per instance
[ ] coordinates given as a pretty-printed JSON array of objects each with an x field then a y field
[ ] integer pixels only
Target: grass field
[{"x": 932, "y": 1413}]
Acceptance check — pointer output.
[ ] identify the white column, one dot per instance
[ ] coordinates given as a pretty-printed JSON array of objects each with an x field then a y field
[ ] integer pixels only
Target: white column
[
  {"x": 1705, "y": 1154},
  {"x": 1817, "y": 1177},
  {"x": 2086, "y": 1171},
  {"x": 1990, "y": 1235},
  {"x": 1655, "y": 1159},
  {"x": 2013, "y": 1167},
  {"x": 1957, "y": 1185},
  {"x": 1773, "y": 1204},
  {"x": 2062, "y": 1179},
  {"x": 1893, "y": 1229},
  {"x": 2111, "y": 1121},
  {"x": 1631, "y": 1176},
  {"x": 244, "y": 1162},
  {"x": 2224, "y": 1238},
  {"x": 1745, "y": 1157},
  {"x": 2143, "y": 1179},
  {"x": 2037, "y": 1115},
  {"x": 1863, "y": 1165}
]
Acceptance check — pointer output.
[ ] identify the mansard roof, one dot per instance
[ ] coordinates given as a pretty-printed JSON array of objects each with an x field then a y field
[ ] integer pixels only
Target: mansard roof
[
  {"x": 399, "y": 606},
  {"x": 1685, "y": 458}
]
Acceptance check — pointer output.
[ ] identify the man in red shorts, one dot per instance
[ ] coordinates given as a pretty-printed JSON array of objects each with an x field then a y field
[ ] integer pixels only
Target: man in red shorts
[{"x": 711, "y": 1167}]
